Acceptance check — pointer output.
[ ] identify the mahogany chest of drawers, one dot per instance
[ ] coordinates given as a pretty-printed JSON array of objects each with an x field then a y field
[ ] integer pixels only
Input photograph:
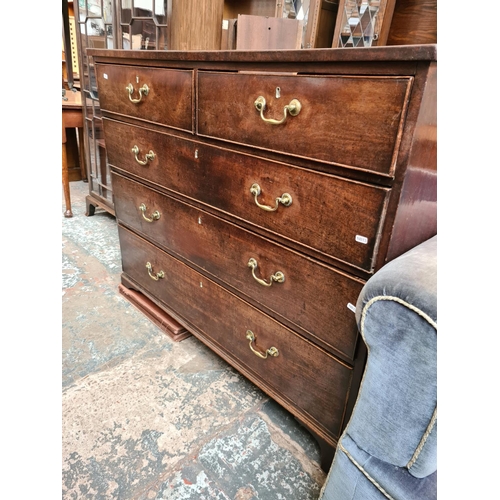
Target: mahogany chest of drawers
[{"x": 255, "y": 192}]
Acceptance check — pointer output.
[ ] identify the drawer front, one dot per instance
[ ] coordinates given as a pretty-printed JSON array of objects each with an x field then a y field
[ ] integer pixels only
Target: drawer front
[
  {"x": 346, "y": 120},
  {"x": 169, "y": 99},
  {"x": 301, "y": 375},
  {"x": 312, "y": 296},
  {"x": 334, "y": 216}
]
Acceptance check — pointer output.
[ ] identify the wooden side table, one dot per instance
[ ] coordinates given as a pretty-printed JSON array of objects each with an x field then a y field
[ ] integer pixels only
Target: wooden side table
[{"x": 72, "y": 117}]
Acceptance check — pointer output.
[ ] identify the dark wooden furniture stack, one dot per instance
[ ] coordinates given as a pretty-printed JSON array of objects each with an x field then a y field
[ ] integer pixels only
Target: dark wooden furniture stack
[{"x": 256, "y": 192}]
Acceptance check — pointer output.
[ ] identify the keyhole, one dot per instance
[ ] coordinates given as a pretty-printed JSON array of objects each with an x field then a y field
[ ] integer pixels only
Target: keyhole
[{"x": 278, "y": 92}]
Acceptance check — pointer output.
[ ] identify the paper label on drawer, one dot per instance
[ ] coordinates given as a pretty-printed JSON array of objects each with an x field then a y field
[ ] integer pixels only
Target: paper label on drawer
[
  {"x": 351, "y": 307},
  {"x": 225, "y": 24},
  {"x": 361, "y": 239},
  {"x": 105, "y": 76}
]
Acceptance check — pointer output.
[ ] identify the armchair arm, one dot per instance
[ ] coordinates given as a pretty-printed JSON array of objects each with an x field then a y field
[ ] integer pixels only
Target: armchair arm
[{"x": 395, "y": 415}]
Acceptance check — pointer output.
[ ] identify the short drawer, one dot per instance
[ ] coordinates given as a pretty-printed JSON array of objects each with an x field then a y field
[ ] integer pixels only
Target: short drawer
[
  {"x": 347, "y": 120},
  {"x": 336, "y": 217},
  {"x": 162, "y": 96},
  {"x": 307, "y": 294},
  {"x": 306, "y": 379}
]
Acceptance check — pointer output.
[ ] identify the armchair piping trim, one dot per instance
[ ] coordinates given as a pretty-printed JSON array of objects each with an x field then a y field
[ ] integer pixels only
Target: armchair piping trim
[
  {"x": 358, "y": 466},
  {"x": 433, "y": 323},
  {"x": 423, "y": 440},
  {"x": 394, "y": 299}
]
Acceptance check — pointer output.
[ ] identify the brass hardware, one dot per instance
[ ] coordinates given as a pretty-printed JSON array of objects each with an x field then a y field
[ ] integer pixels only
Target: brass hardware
[
  {"x": 156, "y": 276},
  {"x": 278, "y": 276},
  {"x": 144, "y": 90},
  {"x": 149, "y": 156},
  {"x": 293, "y": 108},
  {"x": 154, "y": 216},
  {"x": 272, "y": 351},
  {"x": 284, "y": 199}
]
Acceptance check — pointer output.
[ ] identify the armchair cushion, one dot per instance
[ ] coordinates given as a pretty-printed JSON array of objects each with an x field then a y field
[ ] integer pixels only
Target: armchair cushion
[{"x": 359, "y": 476}]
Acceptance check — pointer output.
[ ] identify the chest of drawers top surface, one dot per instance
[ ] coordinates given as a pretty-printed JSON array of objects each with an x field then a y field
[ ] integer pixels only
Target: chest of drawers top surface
[{"x": 256, "y": 59}]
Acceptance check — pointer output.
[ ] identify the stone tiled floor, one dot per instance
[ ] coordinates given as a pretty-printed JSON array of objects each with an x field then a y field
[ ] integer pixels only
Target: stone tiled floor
[{"x": 148, "y": 418}]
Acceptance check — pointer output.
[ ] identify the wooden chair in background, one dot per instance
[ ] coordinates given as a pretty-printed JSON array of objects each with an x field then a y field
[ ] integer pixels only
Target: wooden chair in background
[{"x": 72, "y": 120}]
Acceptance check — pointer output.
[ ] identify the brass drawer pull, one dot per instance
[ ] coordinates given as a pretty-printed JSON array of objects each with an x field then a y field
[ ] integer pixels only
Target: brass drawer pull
[
  {"x": 278, "y": 276},
  {"x": 272, "y": 351},
  {"x": 144, "y": 90},
  {"x": 293, "y": 108},
  {"x": 154, "y": 216},
  {"x": 284, "y": 199},
  {"x": 149, "y": 156},
  {"x": 156, "y": 276}
]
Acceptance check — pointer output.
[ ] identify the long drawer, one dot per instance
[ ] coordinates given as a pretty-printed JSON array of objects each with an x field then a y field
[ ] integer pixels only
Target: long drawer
[
  {"x": 161, "y": 96},
  {"x": 225, "y": 251},
  {"x": 308, "y": 380},
  {"x": 347, "y": 120},
  {"x": 334, "y": 216}
]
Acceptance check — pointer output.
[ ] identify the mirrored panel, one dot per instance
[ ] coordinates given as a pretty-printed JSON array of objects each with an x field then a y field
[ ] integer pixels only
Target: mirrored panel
[
  {"x": 143, "y": 24},
  {"x": 358, "y": 23}
]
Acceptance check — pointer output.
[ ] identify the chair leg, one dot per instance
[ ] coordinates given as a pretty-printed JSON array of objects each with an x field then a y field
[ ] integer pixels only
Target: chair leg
[
  {"x": 81, "y": 149},
  {"x": 65, "y": 181}
]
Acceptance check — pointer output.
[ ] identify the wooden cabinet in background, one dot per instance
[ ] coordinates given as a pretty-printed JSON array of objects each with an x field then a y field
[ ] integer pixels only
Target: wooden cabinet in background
[
  {"x": 413, "y": 22},
  {"x": 375, "y": 23},
  {"x": 262, "y": 33},
  {"x": 218, "y": 24},
  {"x": 195, "y": 25}
]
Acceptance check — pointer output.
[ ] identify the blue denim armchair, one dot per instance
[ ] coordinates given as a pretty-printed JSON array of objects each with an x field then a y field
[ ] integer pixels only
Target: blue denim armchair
[{"x": 389, "y": 447}]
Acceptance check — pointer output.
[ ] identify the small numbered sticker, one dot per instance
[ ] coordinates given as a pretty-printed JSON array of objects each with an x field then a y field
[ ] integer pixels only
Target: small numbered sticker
[{"x": 361, "y": 239}]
